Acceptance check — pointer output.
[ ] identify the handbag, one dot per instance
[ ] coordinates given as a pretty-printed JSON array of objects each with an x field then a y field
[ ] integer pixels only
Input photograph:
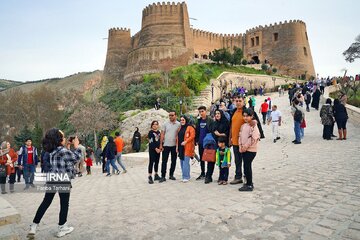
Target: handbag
[
  {"x": 303, "y": 124},
  {"x": 209, "y": 155},
  {"x": 2, "y": 171}
]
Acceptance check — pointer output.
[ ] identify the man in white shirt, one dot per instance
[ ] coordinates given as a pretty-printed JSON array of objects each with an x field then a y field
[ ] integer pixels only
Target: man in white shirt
[{"x": 275, "y": 119}]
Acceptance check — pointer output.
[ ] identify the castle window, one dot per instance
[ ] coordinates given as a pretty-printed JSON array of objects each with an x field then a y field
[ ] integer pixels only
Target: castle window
[
  {"x": 276, "y": 37},
  {"x": 257, "y": 41},
  {"x": 305, "y": 51},
  {"x": 306, "y": 36},
  {"x": 196, "y": 56},
  {"x": 252, "y": 42}
]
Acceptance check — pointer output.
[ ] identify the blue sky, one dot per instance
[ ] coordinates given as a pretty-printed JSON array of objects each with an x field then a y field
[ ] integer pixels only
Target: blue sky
[{"x": 54, "y": 38}]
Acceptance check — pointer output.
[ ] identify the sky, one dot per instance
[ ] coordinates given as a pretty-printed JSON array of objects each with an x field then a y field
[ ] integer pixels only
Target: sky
[{"x": 42, "y": 39}]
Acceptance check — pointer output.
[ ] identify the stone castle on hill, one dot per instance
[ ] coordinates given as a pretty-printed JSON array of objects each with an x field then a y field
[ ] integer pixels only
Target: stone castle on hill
[{"x": 167, "y": 40}]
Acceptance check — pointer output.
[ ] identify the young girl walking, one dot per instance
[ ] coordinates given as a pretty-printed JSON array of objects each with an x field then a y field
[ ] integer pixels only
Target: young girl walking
[
  {"x": 154, "y": 151},
  {"x": 248, "y": 139}
]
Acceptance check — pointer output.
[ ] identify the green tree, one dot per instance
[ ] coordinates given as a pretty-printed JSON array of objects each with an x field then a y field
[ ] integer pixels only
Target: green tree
[
  {"x": 353, "y": 51},
  {"x": 37, "y": 135},
  {"x": 24, "y": 133},
  {"x": 237, "y": 56}
]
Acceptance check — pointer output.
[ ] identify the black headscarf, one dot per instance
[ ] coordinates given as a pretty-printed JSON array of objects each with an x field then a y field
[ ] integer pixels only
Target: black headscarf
[
  {"x": 181, "y": 137},
  {"x": 222, "y": 126}
]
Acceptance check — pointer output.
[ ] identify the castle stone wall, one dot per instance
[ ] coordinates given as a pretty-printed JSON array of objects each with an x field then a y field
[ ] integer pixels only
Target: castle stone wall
[{"x": 166, "y": 38}]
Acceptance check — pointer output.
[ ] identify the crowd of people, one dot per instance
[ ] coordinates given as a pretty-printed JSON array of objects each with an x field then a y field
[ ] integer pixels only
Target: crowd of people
[{"x": 231, "y": 123}]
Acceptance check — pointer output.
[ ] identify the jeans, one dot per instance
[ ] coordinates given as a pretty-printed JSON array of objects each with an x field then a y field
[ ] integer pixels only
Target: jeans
[
  {"x": 248, "y": 158},
  {"x": 238, "y": 162},
  {"x": 64, "y": 207},
  {"x": 112, "y": 162},
  {"x": 202, "y": 163},
  {"x": 119, "y": 161},
  {"x": 153, "y": 161},
  {"x": 165, "y": 156},
  {"x": 29, "y": 171},
  {"x": 185, "y": 168},
  {"x": 264, "y": 114},
  {"x": 224, "y": 174},
  {"x": 302, "y": 133},
  {"x": 297, "y": 130}
]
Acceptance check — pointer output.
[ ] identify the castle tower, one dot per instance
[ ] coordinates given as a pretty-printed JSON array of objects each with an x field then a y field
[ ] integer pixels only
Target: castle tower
[
  {"x": 165, "y": 38},
  {"x": 119, "y": 46},
  {"x": 285, "y": 45}
]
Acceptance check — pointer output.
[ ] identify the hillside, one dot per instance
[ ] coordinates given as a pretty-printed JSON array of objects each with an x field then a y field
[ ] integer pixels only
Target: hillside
[
  {"x": 5, "y": 84},
  {"x": 83, "y": 82}
]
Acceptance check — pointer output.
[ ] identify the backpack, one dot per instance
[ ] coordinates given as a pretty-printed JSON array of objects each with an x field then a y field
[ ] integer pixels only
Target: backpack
[{"x": 298, "y": 115}]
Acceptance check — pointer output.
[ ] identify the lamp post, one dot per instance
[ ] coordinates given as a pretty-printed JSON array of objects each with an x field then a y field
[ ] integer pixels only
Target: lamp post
[
  {"x": 251, "y": 82},
  {"x": 274, "y": 80},
  {"x": 181, "y": 103},
  {"x": 231, "y": 85},
  {"x": 212, "y": 92}
]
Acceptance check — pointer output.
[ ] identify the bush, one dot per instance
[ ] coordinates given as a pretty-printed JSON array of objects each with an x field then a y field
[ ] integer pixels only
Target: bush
[
  {"x": 244, "y": 62},
  {"x": 264, "y": 67},
  {"x": 274, "y": 70}
]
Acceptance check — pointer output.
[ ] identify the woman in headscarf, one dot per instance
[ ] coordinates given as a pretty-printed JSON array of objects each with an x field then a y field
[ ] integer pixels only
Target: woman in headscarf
[
  {"x": 220, "y": 129},
  {"x": 341, "y": 118},
  {"x": 185, "y": 146},
  {"x": 327, "y": 119},
  {"x": 104, "y": 142},
  {"x": 8, "y": 159},
  {"x": 136, "y": 140}
]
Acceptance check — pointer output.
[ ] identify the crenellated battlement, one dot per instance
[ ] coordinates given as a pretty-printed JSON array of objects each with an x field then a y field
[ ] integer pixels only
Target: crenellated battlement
[
  {"x": 207, "y": 34},
  {"x": 114, "y": 31},
  {"x": 163, "y": 8},
  {"x": 272, "y": 25}
]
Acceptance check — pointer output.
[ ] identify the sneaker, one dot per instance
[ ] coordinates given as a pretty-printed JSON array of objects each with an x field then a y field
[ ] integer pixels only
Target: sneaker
[
  {"x": 185, "y": 180},
  {"x": 27, "y": 187},
  {"x": 117, "y": 172},
  {"x": 80, "y": 175},
  {"x": 172, "y": 178},
  {"x": 246, "y": 188},
  {"x": 208, "y": 180},
  {"x": 63, "y": 230},
  {"x": 201, "y": 177},
  {"x": 274, "y": 140},
  {"x": 32, "y": 185},
  {"x": 224, "y": 183},
  {"x": 236, "y": 181},
  {"x": 163, "y": 179},
  {"x": 296, "y": 142},
  {"x": 33, "y": 228},
  {"x": 220, "y": 182},
  {"x": 125, "y": 171},
  {"x": 108, "y": 175},
  {"x": 4, "y": 192},
  {"x": 277, "y": 138},
  {"x": 157, "y": 177},
  {"x": 151, "y": 180}
]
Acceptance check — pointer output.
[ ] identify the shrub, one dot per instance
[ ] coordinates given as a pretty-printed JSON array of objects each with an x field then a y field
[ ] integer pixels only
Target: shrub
[
  {"x": 244, "y": 62},
  {"x": 264, "y": 67},
  {"x": 274, "y": 70}
]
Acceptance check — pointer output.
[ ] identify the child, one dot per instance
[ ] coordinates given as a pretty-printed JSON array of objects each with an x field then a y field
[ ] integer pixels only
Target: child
[
  {"x": 154, "y": 151},
  {"x": 275, "y": 119},
  {"x": 248, "y": 139},
  {"x": 88, "y": 162},
  {"x": 223, "y": 160}
]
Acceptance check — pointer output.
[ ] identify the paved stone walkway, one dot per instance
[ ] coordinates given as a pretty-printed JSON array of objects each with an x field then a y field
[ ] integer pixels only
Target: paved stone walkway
[{"x": 307, "y": 191}]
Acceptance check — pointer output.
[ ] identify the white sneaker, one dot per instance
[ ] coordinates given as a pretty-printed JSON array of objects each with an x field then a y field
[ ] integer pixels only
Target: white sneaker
[
  {"x": 63, "y": 230},
  {"x": 33, "y": 228},
  {"x": 185, "y": 180}
]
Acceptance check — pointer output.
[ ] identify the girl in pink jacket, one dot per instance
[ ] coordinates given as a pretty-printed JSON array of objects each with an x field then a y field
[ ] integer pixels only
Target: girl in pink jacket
[{"x": 248, "y": 139}]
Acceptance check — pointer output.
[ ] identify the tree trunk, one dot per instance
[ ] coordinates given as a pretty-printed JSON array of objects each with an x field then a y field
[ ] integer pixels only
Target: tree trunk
[{"x": 95, "y": 140}]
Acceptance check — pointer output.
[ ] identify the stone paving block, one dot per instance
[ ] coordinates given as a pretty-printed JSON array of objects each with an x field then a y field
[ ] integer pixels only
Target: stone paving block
[
  {"x": 273, "y": 218},
  {"x": 313, "y": 236},
  {"x": 337, "y": 217},
  {"x": 343, "y": 211},
  {"x": 321, "y": 230},
  {"x": 329, "y": 223},
  {"x": 355, "y": 226},
  {"x": 352, "y": 234}
]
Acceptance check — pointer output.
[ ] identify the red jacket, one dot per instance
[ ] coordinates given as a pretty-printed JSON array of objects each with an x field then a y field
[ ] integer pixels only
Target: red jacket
[
  {"x": 88, "y": 162},
  {"x": 3, "y": 160}
]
